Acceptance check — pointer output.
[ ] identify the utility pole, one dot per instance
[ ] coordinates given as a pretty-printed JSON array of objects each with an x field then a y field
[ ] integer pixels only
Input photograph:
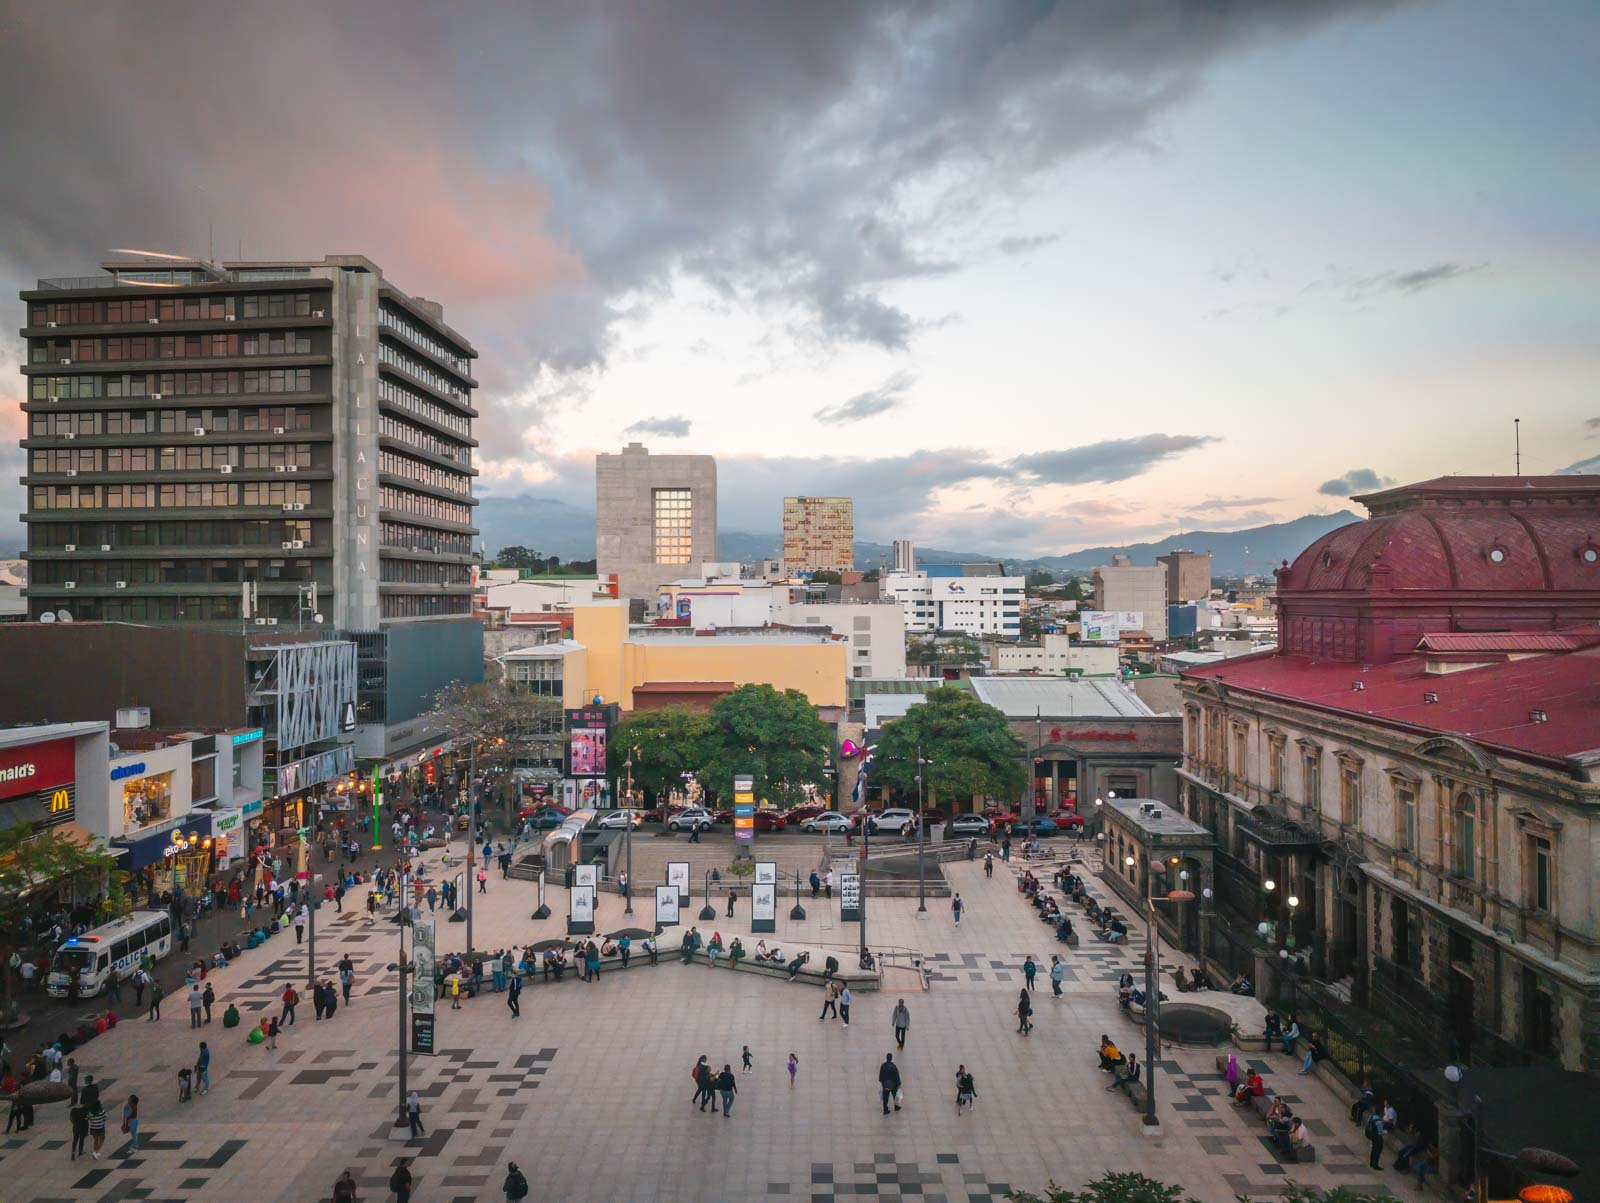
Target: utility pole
[
  {"x": 472, "y": 834},
  {"x": 922, "y": 834},
  {"x": 405, "y": 968},
  {"x": 627, "y": 836}
]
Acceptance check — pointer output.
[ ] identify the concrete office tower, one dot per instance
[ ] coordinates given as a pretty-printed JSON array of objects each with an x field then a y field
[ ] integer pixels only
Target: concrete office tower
[
  {"x": 256, "y": 442},
  {"x": 905, "y": 556},
  {"x": 656, "y": 517},
  {"x": 1188, "y": 576},
  {"x": 818, "y": 534},
  {"x": 1120, "y": 587}
]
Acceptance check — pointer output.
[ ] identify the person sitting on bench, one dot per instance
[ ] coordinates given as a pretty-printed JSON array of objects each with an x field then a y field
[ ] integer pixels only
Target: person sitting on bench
[
  {"x": 1198, "y": 979},
  {"x": 1251, "y": 1087},
  {"x": 1064, "y": 929},
  {"x": 1110, "y": 1056},
  {"x": 796, "y": 964},
  {"x": 829, "y": 968},
  {"x": 1127, "y": 1072},
  {"x": 1300, "y": 1139},
  {"x": 765, "y": 954},
  {"x": 1241, "y": 985}
]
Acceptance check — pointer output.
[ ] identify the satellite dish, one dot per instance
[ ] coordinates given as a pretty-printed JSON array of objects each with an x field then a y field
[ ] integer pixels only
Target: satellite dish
[
  {"x": 63, "y": 616},
  {"x": 47, "y": 617}
]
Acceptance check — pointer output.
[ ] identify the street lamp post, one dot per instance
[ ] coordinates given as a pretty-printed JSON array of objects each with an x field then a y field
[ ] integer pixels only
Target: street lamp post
[
  {"x": 861, "y": 908},
  {"x": 922, "y": 834},
  {"x": 628, "y": 833},
  {"x": 472, "y": 834},
  {"x": 405, "y": 968}
]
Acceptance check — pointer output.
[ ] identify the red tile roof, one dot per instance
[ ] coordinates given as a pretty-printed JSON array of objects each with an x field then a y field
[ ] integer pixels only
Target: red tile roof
[
  {"x": 1490, "y": 705},
  {"x": 1511, "y": 642}
]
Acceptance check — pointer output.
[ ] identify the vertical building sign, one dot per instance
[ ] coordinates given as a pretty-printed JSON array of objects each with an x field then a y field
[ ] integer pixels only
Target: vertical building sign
[
  {"x": 422, "y": 989},
  {"x": 744, "y": 812}
]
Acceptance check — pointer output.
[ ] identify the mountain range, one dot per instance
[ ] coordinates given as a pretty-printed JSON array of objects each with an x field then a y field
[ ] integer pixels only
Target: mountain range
[{"x": 554, "y": 527}]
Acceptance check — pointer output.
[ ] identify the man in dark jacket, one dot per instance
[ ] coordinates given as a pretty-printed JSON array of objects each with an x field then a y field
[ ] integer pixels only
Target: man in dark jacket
[
  {"x": 889, "y": 1082},
  {"x": 400, "y": 1183}
]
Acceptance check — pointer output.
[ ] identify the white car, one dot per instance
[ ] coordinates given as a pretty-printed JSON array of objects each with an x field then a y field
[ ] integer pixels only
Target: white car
[
  {"x": 620, "y": 818},
  {"x": 831, "y": 821},
  {"x": 893, "y": 820},
  {"x": 970, "y": 825},
  {"x": 688, "y": 820}
]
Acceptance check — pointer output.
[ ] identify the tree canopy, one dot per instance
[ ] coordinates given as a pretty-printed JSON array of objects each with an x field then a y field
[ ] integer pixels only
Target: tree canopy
[
  {"x": 664, "y": 745},
  {"x": 32, "y": 860},
  {"x": 972, "y": 750},
  {"x": 774, "y": 737},
  {"x": 1136, "y": 1188}
]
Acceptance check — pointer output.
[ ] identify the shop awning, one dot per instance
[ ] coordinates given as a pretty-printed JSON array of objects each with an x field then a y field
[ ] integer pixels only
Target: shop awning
[{"x": 148, "y": 847}]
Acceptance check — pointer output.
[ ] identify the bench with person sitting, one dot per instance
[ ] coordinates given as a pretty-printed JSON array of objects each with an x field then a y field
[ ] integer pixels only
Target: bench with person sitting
[{"x": 1111, "y": 1057}]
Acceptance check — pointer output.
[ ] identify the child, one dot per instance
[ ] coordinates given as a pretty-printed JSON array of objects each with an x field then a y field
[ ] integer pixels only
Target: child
[
  {"x": 272, "y": 1034},
  {"x": 794, "y": 1068},
  {"x": 184, "y": 1082},
  {"x": 745, "y": 1057}
]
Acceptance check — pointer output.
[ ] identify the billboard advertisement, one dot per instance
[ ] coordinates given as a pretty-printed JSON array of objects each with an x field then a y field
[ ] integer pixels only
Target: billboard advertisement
[
  {"x": 588, "y": 731},
  {"x": 678, "y": 878},
  {"x": 666, "y": 906},
  {"x": 744, "y": 810},
  {"x": 1099, "y": 626}
]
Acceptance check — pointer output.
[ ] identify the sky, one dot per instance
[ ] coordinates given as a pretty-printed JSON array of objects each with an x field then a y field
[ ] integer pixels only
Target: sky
[{"x": 1016, "y": 276}]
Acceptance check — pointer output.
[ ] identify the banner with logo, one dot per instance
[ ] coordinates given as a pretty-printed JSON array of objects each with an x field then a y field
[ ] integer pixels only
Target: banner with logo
[{"x": 422, "y": 961}]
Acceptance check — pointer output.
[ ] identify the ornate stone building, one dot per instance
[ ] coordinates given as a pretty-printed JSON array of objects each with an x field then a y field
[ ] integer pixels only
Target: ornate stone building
[{"x": 1417, "y": 769}]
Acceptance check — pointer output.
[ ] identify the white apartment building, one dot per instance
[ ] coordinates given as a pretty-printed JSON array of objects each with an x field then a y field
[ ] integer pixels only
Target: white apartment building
[
  {"x": 1056, "y": 656},
  {"x": 875, "y": 631},
  {"x": 973, "y": 605}
]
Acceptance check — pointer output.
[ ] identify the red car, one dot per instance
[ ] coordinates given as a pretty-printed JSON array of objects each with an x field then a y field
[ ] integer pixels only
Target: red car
[
  {"x": 997, "y": 816},
  {"x": 770, "y": 820},
  {"x": 534, "y": 808},
  {"x": 799, "y": 814},
  {"x": 1067, "y": 819}
]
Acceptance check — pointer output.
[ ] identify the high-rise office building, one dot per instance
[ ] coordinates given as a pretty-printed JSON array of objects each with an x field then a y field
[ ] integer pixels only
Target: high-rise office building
[
  {"x": 1188, "y": 576},
  {"x": 818, "y": 534},
  {"x": 655, "y": 517},
  {"x": 258, "y": 444},
  {"x": 905, "y": 556}
]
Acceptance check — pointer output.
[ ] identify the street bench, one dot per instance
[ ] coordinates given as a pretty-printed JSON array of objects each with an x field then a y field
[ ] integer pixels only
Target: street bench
[{"x": 1137, "y": 1094}]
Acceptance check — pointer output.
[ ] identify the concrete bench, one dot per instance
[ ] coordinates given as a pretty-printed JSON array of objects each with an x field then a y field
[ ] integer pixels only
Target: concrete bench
[
  {"x": 1137, "y": 1094},
  {"x": 1254, "y": 1044}
]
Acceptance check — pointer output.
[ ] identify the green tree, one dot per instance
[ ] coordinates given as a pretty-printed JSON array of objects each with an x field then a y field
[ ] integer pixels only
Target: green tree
[
  {"x": 825, "y": 576},
  {"x": 1136, "y": 1188},
  {"x": 664, "y": 745},
  {"x": 506, "y": 720},
  {"x": 1039, "y": 578},
  {"x": 971, "y": 749},
  {"x": 33, "y": 861},
  {"x": 774, "y": 737},
  {"x": 523, "y": 559}
]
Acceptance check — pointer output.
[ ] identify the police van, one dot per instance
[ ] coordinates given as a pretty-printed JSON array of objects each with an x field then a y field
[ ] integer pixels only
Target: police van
[{"x": 114, "y": 948}]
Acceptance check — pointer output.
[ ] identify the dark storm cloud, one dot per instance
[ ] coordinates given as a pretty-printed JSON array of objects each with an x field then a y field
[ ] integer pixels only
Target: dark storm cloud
[
  {"x": 672, "y": 428},
  {"x": 870, "y": 403},
  {"x": 1354, "y": 481},
  {"x": 1108, "y": 461}
]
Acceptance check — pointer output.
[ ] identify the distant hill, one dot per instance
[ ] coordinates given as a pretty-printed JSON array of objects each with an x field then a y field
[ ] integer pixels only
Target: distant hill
[{"x": 554, "y": 527}]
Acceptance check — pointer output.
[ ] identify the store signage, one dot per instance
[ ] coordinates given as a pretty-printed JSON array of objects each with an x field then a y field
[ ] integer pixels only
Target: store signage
[
  {"x": 34, "y": 767},
  {"x": 744, "y": 810},
  {"x": 227, "y": 822},
  {"x": 127, "y": 770},
  {"x": 348, "y": 721},
  {"x": 247, "y": 737}
]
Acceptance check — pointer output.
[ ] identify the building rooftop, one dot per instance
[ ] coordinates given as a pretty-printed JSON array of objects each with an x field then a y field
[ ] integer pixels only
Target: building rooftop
[
  {"x": 1510, "y": 642},
  {"x": 1497, "y": 705},
  {"x": 12, "y": 737},
  {"x": 790, "y": 637},
  {"x": 1059, "y": 697},
  {"x": 542, "y": 651},
  {"x": 1165, "y": 820},
  {"x": 881, "y": 707}
]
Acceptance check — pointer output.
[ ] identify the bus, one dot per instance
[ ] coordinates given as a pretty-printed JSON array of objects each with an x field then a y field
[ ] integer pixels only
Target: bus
[{"x": 113, "y": 948}]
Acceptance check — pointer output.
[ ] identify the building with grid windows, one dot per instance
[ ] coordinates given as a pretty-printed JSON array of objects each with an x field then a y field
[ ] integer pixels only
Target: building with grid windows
[
  {"x": 257, "y": 445},
  {"x": 818, "y": 534},
  {"x": 656, "y": 517}
]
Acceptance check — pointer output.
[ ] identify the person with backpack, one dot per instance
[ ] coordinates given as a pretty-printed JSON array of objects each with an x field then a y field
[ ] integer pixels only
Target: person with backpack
[
  {"x": 400, "y": 1183},
  {"x": 515, "y": 1185},
  {"x": 290, "y": 998},
  {"x": 966, "y": 1091}
]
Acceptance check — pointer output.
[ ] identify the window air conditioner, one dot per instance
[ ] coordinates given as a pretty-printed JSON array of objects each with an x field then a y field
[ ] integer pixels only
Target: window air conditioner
[
  {"x": 318, "y": 313},
  {"x": 69, "y": 584},
  {"x": 155, "y": 396},
  {"x": 261, "y": 622},
  {"x": 154, "y": 321},
  {"x": 51, "y": 325},
  {"x": 299, "y": 505},
  {"x": 272, "y": 622},
  {"x": 286, "y": 545},
  {"x": 70, "y": 547},
  {"x": 70, "y": 435},
  {"x": 72, "y": 471},
  {"x": 122, "y": 584},
  {"x": 228, "y": 317},
  {"x": 54, "y": 399},
  {"x": 294, "y": 467},
  {"x": 66, "y": 363},
  {"x": 287, "y": 506},
  {"x": 297, "y": 544},
  {"x": 105, "y": 547},
  {"x": 277, "y": 467},
  {"x": 278, "y": 430},
  {"x": 226, "y": 469}
]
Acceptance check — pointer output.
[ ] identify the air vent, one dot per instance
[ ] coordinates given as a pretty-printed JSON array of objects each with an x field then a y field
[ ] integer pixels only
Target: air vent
[
  {"x": 1538, "y": 716},
  {"x": 1430, "y": 697}
]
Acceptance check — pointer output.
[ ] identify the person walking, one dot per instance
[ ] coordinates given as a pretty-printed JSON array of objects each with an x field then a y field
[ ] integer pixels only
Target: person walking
[
  {"x": 707, "y": 1082},
  {"x": 889, "y": 1082},
  {"x": 207, "y": 997},
  {"x": 816, "y": 884},
  {"x": 130, "y": 1122},
  {"x": 155, "y": 1002},
  {"x": 830, "y": 1000},
  {"x": 514, "y": 997},
  {"x": 966, "y": 1090},
  {"x": 483, "y": 881},
  {"x": 347, "y": 979},
  {"x": 988, "y": 864},
  {"x": 79, "y": 1115},
  {"x": 196, "y": 1001},
  {"x": 1024, "y": 1010},
  {"x": 955, "y": 908},
  {"x": 400, "y": 1182},
  {"x": 1029, "y": 969},
  {"x": 844, "y": 1005},
  {"x": 732, "y": 895},
  {"x": 745, "y": 1060},
  {"x": 97, "y": 1121},
  {"x": 319, "y": 1000},
  {"x": 432, "y": 897},
  {"x": 72, "y": 1078},
  {"x": 827, "y": 883},
  {"x": 900, "y": 1020},
  {"x": 202, "y": 1068},
  {"x": 344, "y": 1188},
  {"x": 727, "y": 1088},
  {"x": 515, "y": 1185},
  {"x": 290, "y": 999},
  {"x": 1058, "y": 974},
  {"x": 794, "y": 1068},
  {"x": 414, "y": 1114},
  {"x": 300, "y": 917}
]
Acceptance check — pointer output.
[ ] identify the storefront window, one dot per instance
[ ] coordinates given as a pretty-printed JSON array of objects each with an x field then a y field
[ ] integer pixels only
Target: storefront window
[
  {"x": 147, "y": 800},
  {"x": 203, "y": 779}
]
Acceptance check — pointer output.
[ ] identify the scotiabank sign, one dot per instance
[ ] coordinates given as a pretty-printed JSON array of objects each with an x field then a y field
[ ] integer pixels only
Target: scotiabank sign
[{"x": 36, "y": 767}]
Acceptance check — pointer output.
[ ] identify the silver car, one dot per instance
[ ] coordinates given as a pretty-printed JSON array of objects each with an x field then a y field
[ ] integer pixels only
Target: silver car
[
  {"x": 895, "y": 820},
  {"x": 620, "y": 818},
  {"x": 830, "y": 821},
  {"x": 688, "y": 820}
]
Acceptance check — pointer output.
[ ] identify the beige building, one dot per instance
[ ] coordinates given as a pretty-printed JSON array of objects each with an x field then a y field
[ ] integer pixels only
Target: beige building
[
  {"x": 655, "y": 517},
  {"x": 818, "y": 534},
  {"x": 1122, "y": 587},
  {"x": 1055, "y": 656},
  {"x": 1188, "y": 576}
]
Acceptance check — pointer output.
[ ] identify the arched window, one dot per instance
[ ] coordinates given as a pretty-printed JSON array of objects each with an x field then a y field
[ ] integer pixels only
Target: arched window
[{"x": 1466, "y": 835}]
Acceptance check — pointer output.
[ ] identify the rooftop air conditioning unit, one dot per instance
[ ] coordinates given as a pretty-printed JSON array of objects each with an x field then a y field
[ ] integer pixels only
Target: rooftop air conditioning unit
[
  {"x": 278, "y": 430},
  {"x": 318, "y": 313},
  {"x": 70, "y": 547},
  {"x": 122, "y": 584},
  {"x": 297, "y": 544},
  {"x": 105, "y": 547},
  {"x": 133, "y": 716},
  {"x": 198, "y": 431},
  {"x": 287, "y": 506},
  {"x": 226, "y": 469},
  {"x": 69, "y": 584},
  {"x": 228, "y": 317}
]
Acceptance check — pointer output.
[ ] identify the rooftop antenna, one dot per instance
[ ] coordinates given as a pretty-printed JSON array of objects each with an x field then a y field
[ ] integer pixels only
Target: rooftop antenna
[{"x": 1516, "y": 426}]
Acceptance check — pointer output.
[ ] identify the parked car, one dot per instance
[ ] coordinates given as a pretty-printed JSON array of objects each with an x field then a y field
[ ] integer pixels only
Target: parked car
[
  {"x": 621, "y": 818},
  {"x": 970, "y": 825},
  {"x": 893, "y": 820},
  {"x": 770, "y": 820},
  {"x": 535, "y": 808},
  {"x": 1041, "y": 826},
  {"x": 549, "y": 816},
  {"x": 827, "y": 821},
  {"x": 690, "y": 819},
  {"x": 799, "y": 814},
  {"x": 722, "y": 816},
  {"x": 1068, "y": 820}
]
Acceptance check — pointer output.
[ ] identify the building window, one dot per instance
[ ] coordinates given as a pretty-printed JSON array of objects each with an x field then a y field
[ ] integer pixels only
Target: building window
[
  {"x": 146, "y": 800},
  {"x": 203, "y": 779},
  {"x": 1276, "y": 769},
  {"x": 1240, "y": 744},
  {"x": 1350, "y": 796},
  {"x": 1540, "y": 876},
  {"x": 1123, "y": 785},
  {"x": 674, "y": 519},
  {"x": 1311, "y": 780},
  {"x": 1405, "y": 808},
  {"x": 1538, "y": 1016},
  {"x": 1466, "y": 836}
]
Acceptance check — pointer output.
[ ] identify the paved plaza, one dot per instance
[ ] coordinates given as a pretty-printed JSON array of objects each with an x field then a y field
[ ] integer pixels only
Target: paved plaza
[{"x": 589, "y": 1091}]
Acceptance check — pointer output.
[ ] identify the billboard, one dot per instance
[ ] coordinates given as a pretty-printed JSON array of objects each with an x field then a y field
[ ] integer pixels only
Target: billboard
[
  {"x": 1106, "y": 626},
  {"x": 678, "y": 878},
  {"x": 744, "y": 810},
  {"x": 588, "y": 731},
  {"x": 666, "y": 906}
]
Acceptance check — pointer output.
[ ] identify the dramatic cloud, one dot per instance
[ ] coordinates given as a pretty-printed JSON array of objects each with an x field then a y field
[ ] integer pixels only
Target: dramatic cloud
[
  {"x": 1106, "y": 462},
  {"x": 672, "y": 428},
  {"x": 1356, "y": 480},
  {"x": 869, "y": 404}
]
